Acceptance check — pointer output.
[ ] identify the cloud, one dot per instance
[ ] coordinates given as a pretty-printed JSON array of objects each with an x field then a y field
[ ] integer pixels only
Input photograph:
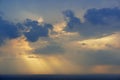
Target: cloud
[
  {"x": 102, "y": 57},
  {"x": 15, "y": 47},
  {"x": 32, "y": 30},
  {"x": 52, "y": 48},
  {"x": 102, "y": 16},
  {"x": 7, "y": 30},
  {"x": 72, "y": 21},
  {"x": 12, "y": 54},
  {"x": 90, "y": 57},
  {"x": 97, "y": 22},
  {"x": 36, "y": 30},
  {"x": 58, "y": 27},
  {"x": 108, "y": 42},
  {"x": 91, "y": 52}
]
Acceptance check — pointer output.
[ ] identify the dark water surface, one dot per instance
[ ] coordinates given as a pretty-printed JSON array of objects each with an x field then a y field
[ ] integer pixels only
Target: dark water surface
[{"x": 59, "y": 77}]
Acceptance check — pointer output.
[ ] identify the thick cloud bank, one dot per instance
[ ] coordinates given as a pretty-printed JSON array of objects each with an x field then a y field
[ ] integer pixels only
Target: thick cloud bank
[
  {"x": 32, "y": 30},
  {"x": 98, "y": 22}
]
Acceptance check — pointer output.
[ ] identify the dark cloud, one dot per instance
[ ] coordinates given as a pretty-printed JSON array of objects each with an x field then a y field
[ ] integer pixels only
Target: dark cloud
[
  {"x": 31, "y": 29},
  {"x": 102, "y": 16},
  {"x": 36, "y": 30},
  {"x": 7, "y": 30},
  {"x": 53, "y": 48},
  {"x": 72, "y": 21},
  {"x": 98, "y": 22}
]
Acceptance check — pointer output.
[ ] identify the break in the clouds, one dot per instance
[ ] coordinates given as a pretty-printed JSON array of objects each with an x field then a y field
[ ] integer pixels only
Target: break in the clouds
[{"x": 97, "y": 22}]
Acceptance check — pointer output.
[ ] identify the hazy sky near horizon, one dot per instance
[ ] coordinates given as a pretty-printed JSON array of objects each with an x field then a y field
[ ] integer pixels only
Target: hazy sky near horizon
[{"x": 59, "y": 36}]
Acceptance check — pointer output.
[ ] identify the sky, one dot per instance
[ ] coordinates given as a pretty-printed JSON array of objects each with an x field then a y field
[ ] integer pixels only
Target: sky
[{"x": 59, "y": 37}]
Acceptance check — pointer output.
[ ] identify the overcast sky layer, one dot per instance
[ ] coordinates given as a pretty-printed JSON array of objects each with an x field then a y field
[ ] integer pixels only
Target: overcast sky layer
[{"x": 59, "y": 37}]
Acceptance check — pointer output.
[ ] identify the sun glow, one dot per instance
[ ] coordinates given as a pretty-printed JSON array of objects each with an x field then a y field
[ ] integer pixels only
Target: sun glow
[
  {"x": 37, "y": 66},
  {"x": 20, "y": 59},
  {"x": 48, "y": 65},
  {"x": 40, "y": 20},
  {"x": 101, "y": 43}
]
